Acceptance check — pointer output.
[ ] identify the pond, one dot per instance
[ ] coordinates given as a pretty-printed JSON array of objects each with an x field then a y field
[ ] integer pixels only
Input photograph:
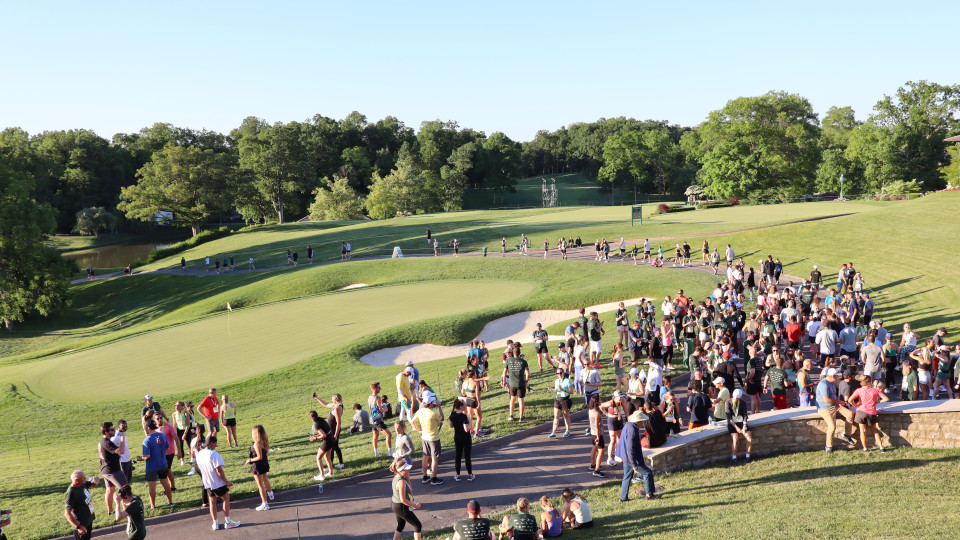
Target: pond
[{"x": 111, "y": 256}]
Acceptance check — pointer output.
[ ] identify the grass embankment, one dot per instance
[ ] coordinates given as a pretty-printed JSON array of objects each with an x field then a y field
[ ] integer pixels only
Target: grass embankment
[
  {"x": 475, "y": 229},
  {"x": 278, "y": 399},
  {"x": 806, "y": 495}
]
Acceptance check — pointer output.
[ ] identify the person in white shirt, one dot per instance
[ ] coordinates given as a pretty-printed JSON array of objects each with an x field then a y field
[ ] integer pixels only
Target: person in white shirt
[
  {"x": 123, "y": 443},
  {"x": 215, "y": 482}
]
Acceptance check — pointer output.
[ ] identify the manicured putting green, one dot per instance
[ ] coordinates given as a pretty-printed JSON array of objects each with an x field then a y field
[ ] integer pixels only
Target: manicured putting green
[{"x": 230, "y": 347}]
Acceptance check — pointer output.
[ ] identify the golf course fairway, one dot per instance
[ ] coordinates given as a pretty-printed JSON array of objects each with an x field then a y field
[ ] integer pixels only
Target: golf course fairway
[{"x": 232, "y": 346}]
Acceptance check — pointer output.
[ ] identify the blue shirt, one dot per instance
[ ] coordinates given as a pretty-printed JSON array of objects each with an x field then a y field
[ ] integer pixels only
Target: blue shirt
[
  {"x": 848, "y": 339},
  {"x": 825, "y": 389},
  {"x": 629, "y": 449},
  {"x": 155, "y": 445}
]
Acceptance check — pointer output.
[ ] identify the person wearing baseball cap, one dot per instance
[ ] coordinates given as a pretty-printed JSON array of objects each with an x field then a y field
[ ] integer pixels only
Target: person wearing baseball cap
[
  {"x": 720, "y": 402},
  {"x": 630, "y": 452},
  {"x": 829, "y": 404},
  {"x": 402, "y": 500},
  {"x": 475, "y": 527},
  {"x": 405, "y": 395},
  {"x": 151, "y": 405},
  {"x": 737, "y": 411}
]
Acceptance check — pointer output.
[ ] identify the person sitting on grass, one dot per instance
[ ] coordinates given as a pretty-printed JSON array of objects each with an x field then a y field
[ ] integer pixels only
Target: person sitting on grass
[
  {"x": 361, "y": 420},
  {"x": 551, "y": 526},
  {"x": 576, "y": 511},
  {"x": 522, "y": 525}
]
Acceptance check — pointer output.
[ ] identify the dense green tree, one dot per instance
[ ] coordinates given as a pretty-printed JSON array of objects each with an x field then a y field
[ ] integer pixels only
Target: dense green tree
[
  {"x": 499, "y": 162},
  {"x": 93, "y": 220},
  {"x": 873, "y": 151},
  {"x": 920, "y": 116},
  {"x": 356, "y": 168},
  {"x": 339, "y": 202},
  {"x": 454, "y": 176},
  {"x": 837, "y": 129},
  {"x": 758, "y": 144},
  {"x": 190, "y": 183},
  {"x": 33, "y": 279},
  {"x": 403, "y": 191},
  {"x": 279, "y": 159}
]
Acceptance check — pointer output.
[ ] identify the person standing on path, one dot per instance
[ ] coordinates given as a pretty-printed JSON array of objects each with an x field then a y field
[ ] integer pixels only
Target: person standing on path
[
  {"x": 427, "y": 423},
  {"x": 503, "y": 246},
  {"x": 517, "y": 372},
  {"x": 475, "y": 527},
  {"x": 562, "y": 387},
  {"x": 79, "y": 509},
  {"x": 646, "y": 250},
  {"x": 210, "y": 409},
  {"x": 110, "y": 470},
  {"x": 349, "y": 249},
  {"x": 183, "y": 264},
  {"x": 774, "y": 383},
  {"x": 540, "y": 338},
  {"x": 335, "y": 421},
  {"x": 404, "y": 443},
  {"x": 215, "y": 482},
  {"x": 401, "y": 499},
  {"x": 260, "y": 465},
  {"x": 375, "y": 404},
  {"x": 630, "y": 452},
  {"x": 154, "y": 453},
  {"x": 250, "y": 265},
  {"x": 595, "y": 332},
  {"x": 461, "y": 439},
  {"x": 829, "y": 405},
  {"x": 309, "y": 254},
  {"x": 131, "y": 507},
  {"x": 429, "y": 235}
]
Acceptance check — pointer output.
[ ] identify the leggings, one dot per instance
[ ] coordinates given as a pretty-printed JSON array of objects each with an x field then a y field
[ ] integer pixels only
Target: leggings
[
  {"x": 405, "y": 515},
  {"x": 464, "y": 448},
  {"x": 890, "y": 372},
  {"x": 667, "y": 355},
  {"x": 180, "y": 433},
  {"x": 336, "y": 449}
]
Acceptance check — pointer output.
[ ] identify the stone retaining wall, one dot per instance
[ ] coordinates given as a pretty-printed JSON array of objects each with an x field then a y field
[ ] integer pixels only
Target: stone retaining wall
[{"x": 922, "y": 424}]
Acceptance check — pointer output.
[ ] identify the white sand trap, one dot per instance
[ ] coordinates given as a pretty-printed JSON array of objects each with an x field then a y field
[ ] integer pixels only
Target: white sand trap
[
  {"x": 516, "y": 327},
  {"x": 353, "y": 286}
]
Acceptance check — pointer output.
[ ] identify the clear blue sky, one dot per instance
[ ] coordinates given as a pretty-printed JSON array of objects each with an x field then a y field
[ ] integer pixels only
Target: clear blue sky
[{"x": 515, "y": 67}]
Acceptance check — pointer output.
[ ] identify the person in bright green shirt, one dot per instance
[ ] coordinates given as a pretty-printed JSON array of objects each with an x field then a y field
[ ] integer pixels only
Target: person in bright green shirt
[{"x": 723, "y": 394}]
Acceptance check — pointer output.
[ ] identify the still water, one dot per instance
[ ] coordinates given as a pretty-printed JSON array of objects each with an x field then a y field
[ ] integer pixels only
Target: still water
[{"x": 111, "y": 256}]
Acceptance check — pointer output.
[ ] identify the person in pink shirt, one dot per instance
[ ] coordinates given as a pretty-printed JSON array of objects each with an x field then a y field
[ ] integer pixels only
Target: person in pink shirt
[
  {"x": 865, "y": 400},
  {"x": 170, "y": 432}
]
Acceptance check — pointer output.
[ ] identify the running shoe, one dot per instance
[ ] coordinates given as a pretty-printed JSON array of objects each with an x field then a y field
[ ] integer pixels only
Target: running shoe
[
  {"x": 262, "y": 507},
  {"x": 849, "y": 440},
  {"x": 746, "y": 459},
  {"x": 456, "y": 477},
  {"x": 521, "y": 419},
  {"x": 182, "y": 464},
  {"x": 270, "y": 495},
  {"x": 509, "y": 419},
  {"x": 617, "y": 459},
  {"x": 436, "y": 481},
  {"x": 566, "y": 434},
  {"x": 828, "y": 450},
  {"x": 319, "y": 477},
  {"x": 470, "y": 477},
  {"x": 215, "y": 526},
  {"x": 599, "y": 474},
  {"x": 231, "y": 524},
  {"x": 611, "y": 462},
  {"x": 192, "y": 471},
  {"x": 552, "y": 436},
  {"x": 376, "y": 452},
  {"x": 426, "y": 480},
  {"x": 338, "y": 466}
]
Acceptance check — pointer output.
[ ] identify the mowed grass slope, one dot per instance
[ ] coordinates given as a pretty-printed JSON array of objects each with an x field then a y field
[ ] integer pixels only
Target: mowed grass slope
[
  {"x": 574, "y": 189},
  {"x": 806, "y": 495},
  {"x": 42, "y": 439},
  {"x": 475, "y": 229}
]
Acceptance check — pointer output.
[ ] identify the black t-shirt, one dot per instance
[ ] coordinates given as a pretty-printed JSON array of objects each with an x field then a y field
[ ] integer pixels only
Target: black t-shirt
[
  {"x": 473, "y": 529},
  {"x": 699, "y": 405},
  {"x": 79, "y": 500},
  {"x": 109, "y": 461},
  {"x": 322, "y": 426},
  {"x": 458, "y": 419},
  {"x": 152, "y": 407}
]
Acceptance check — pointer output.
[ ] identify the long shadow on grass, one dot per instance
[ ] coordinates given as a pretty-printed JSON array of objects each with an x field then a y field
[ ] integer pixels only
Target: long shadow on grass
[{"x": 653, "y": 520}]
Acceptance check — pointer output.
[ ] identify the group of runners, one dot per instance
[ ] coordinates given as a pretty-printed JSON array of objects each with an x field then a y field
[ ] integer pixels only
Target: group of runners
[{"x": 751, "y": 341}]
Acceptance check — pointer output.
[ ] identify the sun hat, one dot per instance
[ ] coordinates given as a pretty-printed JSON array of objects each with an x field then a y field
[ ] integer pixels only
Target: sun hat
[{"x": 637, "y": 416}]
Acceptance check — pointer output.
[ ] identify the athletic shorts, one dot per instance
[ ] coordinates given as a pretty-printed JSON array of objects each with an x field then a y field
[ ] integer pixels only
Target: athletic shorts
[
  {"x": 219, "y": 492},
  {"x": 540, "y": 348},
  {"x": 230, "y": 422},
  {"x": 793, "y": 344},
  {"x": 470, "y": 402},
  {"x": 618, "y": 371},
  {"x": 431, "y": 449},
  {"x": 562, "y": 404},
  {"x": 876, "y": 375},
  {"x": 380, "y": 426},
  {"x": 116, "y": 479},
  {"x": 170, "y": 464},
  {"x": 596, "y": 347},
  {"x": 923, "y": 376},
  {"x": 623, "y": 328},
  {"x": 213, "y": 424},
  {"x": 157, "y": 475},
  {"x": 598, "y": 441},
  {"x": 731, "y": 429},
  {"x": 866, "y": 419},
  {"x": 520, "y": 392},
  {"x": 941, "y": 376}
]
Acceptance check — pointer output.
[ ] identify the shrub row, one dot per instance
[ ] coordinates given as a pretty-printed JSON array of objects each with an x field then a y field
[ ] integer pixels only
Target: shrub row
[{"x": 202, "y": 237}]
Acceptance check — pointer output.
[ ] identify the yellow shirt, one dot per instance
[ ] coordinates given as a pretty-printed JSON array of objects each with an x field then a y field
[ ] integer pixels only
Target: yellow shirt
[
  {"x": 403, "y": 387},
  {"x": 428, "y": 420}
]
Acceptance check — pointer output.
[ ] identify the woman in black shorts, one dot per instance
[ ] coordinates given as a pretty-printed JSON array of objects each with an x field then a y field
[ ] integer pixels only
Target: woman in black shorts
[
  {"x": 321, "y": 430},
  {"x": 402, "y": 499},
  {"x": 260, "y": 465}
]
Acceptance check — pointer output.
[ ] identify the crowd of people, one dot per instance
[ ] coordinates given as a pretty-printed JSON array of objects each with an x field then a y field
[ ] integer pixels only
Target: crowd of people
[{"x": 752, "y": 340}]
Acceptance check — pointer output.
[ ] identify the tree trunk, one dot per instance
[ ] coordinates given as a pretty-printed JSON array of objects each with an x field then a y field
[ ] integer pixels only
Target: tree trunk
[
  {"x": 280, "y": 210},
  {"x": 195, "y": 228}
]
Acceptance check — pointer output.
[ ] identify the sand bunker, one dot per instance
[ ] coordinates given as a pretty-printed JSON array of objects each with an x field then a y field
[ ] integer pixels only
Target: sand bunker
[{"x": 516, "y": 327}]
